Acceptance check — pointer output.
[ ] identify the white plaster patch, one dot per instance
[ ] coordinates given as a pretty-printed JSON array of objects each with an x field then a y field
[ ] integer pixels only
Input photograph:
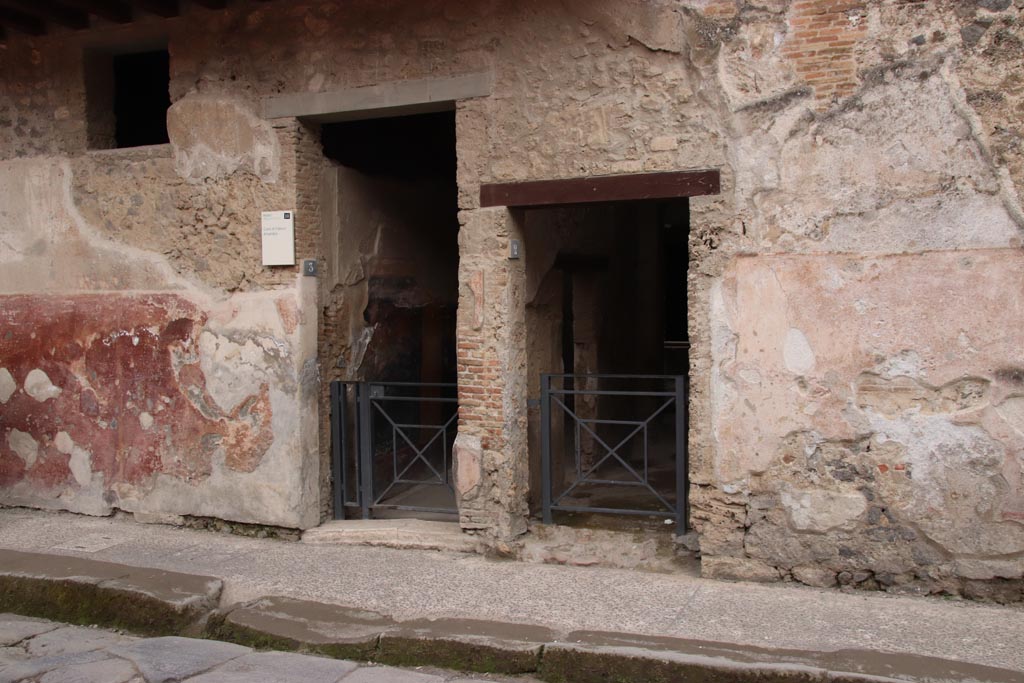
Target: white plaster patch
[
  {"x": 750, "y": 375},
  {"x": 233, "y": 371},
  {"x": 797, "y": 353},
  {"x": 7, "y": 385},
  {"x": 80, "y": 465},
  {"x": 24, "y": 445},
  {"x": 955, "y": 487},
  {"x": 39, "y": 386},
  {"x": 906, "y": 363},
  {"x": 821, "y": 511},
  {"x": 63, "y": 442},
  {"x": 146, "y": 420}
]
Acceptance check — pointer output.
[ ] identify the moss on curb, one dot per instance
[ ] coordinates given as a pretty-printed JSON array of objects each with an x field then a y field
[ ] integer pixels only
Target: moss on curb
[
  {"x": 219, "y": 627},
  {"x": 457, "y": 655},
  {"x": 76, "y": 602},
  {"x": 566, "y": 665}
]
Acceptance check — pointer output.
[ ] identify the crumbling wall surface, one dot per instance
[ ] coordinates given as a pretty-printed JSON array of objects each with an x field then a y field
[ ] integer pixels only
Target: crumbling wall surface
[
  {"x": 147, "y": 361},
  {"x": 859, "y": 311},
  {"x": 843, "y": 287}
]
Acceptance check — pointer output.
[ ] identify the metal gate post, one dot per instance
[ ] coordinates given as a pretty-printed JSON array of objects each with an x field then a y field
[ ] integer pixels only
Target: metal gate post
[
  {"x": 682, "y": 459},
  {"x": 365, "y": 449},
  {"x": 337, "y": 444},
  {"x": 545, "y": 452}
]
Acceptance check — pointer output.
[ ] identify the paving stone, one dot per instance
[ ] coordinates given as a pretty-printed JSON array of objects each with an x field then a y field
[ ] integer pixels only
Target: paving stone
[
  {"x": 104, "y": 671},
  {"x": 277, "y": 667},
  {"x": 30, "y": 668},
  {"x": 173, "y": 658},
  {"x": 71, "y": 639},
  {"x": 15, "y": 628},
  {"x": 387, "y": 674}
]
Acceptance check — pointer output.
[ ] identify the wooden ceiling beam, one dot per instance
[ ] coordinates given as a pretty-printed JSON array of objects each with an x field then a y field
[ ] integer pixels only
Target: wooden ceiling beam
[
  {"x": 111, "y": 10},
  {"x": 22, "y": 22},
  {"x": 52, "y": 12}
]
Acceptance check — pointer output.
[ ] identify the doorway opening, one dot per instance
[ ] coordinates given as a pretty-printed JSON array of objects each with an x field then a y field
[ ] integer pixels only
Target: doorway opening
[
  {"x": 608, "y": 355},
  {"x": 390, "y": 296}
]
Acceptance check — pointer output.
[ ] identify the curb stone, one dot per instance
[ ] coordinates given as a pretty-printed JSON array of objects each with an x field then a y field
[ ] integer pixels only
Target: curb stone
[
  {"x": 278, "y": 623},
  {"x": 155, "y": 602},
  {"x": 82, "y": 591},
  {"x": 465, "y": 645}
]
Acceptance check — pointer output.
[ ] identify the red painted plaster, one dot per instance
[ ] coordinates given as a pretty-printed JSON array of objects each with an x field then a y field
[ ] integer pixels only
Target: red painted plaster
[{"x": 115, "y": 357}]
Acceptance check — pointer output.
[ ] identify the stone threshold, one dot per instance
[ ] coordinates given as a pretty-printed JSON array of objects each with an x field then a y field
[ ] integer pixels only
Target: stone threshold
[
  {"x": 154, "y": 602},
  {"x": 416, "y": 534}
]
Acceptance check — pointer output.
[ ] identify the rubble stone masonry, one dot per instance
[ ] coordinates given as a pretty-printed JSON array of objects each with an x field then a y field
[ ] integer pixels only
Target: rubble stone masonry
[{"x": 856, "y": 303}]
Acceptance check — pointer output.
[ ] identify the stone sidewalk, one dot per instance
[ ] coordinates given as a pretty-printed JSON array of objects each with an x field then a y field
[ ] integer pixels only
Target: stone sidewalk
[
  {"x": 287, "y": 595},
  {"x": 51, "y": 652}
]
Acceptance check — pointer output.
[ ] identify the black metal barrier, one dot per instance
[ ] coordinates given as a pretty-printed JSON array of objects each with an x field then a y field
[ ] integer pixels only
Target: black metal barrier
[
  {"x": 622, "y": 431},
  {"x": 389, "y": 440}
]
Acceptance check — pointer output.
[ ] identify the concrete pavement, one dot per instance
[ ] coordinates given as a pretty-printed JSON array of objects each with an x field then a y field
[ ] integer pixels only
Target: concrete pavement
[
  {"x": 416, "y": 584},
  {"x": 38, "y": 650}
]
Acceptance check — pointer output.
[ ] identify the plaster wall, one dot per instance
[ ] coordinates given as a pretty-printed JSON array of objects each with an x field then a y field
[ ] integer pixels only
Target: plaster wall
[{"x": 867, "y": 149}]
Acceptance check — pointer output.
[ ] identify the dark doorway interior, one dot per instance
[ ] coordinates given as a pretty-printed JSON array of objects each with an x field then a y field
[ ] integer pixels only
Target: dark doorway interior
[
  {"x": 398, "y": 232},
  {"x": 608, "y": 312}
]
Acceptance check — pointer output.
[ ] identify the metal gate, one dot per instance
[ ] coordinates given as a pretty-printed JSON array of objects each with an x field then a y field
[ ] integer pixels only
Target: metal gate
[
  {"x": 627, "y": 435},
  {"x": 391, "y": 445}
]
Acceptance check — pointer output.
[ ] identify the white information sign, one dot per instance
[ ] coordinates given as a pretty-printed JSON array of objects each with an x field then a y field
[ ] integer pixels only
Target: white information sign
[{"x": 279, "y": 238}]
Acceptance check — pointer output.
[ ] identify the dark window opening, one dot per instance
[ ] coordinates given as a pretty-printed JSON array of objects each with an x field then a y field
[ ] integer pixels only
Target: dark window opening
[
  {"x": 141, "y": 98},
  {"x": 128, "y": 96}
]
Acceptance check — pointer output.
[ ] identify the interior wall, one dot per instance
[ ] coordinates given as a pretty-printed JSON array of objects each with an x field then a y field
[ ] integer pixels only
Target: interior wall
[
  {"x": 390, "y": 274},
  {"x": 610, "y": 257}
]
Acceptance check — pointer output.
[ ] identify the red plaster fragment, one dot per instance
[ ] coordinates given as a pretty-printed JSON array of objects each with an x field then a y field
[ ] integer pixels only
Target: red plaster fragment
[{"x": 115, "y": 358}]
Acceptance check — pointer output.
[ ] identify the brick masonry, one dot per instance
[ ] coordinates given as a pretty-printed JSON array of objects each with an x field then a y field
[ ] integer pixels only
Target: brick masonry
[{"x": 845, "y": 132}]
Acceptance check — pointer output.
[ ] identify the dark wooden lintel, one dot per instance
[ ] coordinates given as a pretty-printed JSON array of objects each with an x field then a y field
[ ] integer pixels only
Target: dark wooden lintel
[
  {"x": 211, "y": 4},
  {"x": 611, "y": 188}
]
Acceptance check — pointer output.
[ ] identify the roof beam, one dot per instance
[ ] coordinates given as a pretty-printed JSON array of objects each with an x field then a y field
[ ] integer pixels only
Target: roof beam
[
  {"x": 21, "y": 21},
  {"x": 609, "y": 188},
  {"x": 52, "y": 12},
  {"x": 111, "y": 10},
  {"x": 161, "y": 8}
]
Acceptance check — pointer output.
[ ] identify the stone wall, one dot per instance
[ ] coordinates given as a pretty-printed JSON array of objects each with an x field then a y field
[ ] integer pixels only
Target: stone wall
[{"x": 852, "y": 290}]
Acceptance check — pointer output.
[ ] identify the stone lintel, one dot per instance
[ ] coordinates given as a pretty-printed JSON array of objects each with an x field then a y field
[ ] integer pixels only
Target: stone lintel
[{"x": 384, "y": 99}]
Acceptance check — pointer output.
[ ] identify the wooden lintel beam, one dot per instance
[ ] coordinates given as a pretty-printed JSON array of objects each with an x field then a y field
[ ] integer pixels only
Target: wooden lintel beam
[
  {"x": 211, "y": 4},
  {"x": 161, "y": 8},
  {"x": 22, "y": 21},
  {"x": 111, "y": 10},
  {"x": 610, "y": 188},
  {"x": 52, "y": 12}
]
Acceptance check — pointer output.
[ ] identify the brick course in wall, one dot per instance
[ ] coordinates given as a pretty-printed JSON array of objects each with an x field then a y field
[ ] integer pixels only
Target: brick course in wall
[{"x": 820, "y": 44}]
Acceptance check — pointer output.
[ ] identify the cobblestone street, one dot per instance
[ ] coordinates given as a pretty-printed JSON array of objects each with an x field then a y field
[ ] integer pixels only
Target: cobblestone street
[{"x": 41, "y": 651}]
